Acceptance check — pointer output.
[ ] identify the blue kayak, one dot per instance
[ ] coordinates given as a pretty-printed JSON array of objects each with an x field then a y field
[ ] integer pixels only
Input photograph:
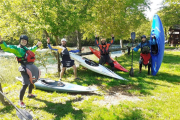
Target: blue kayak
[{"x": 157, "y": 56}]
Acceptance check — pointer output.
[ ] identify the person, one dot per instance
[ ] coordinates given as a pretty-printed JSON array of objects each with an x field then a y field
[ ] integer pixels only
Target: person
[
  {"x": 104, "y": 51},
  {"x": 66, "y": 60},
  {"x": 26, "y": 57},
  {"x": 145, "y": 56}
]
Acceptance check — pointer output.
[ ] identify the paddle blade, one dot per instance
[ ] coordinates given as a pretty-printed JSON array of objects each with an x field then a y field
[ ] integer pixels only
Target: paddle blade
[
  {"x": 23, "y": 114},
  {"x": 133, "y": 35},
  {"x": 131, "y": 73}
]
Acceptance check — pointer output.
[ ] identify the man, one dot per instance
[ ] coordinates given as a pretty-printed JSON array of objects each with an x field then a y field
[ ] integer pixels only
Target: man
[
  {"x": 66, "y": 60},
  {"x": 26, "y": 57},
  {"x": 104, "y": 51},
  {"x": 145, "y": 56}
]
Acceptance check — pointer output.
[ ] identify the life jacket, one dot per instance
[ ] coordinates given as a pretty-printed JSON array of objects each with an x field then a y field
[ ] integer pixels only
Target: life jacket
[
  {"x": 146, "y": 58},
  {"x": 65, "y": 54},
  {"x": 28, "y": 57},
  {"x": 104, "y": 49}
]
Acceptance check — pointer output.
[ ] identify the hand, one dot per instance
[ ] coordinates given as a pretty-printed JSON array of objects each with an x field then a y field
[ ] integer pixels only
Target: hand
[
  {"x": 48, "y": 40},
  {"x": 0, "y": 39},
  {"x": 39, "y": 44},
  {"x": 96, "y": 35},
  {"x": 82, "y": 49},
  {"x": 112, "y": 35},
  {"x": 132, "y": 48}
]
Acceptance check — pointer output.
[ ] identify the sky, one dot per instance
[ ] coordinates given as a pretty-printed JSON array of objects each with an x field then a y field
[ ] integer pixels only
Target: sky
[{"x": 154, "y": 8}]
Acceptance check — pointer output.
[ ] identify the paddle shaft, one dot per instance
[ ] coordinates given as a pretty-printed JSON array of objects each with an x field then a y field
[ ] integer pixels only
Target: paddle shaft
[{"x": 15, "y": 107}]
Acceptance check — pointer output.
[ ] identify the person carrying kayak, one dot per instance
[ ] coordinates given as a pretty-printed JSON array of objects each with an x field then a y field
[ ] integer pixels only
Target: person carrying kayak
[
  {"x": 26, "y": 57},
  {"x": 104, "y": 51},
  {"x": 66, "y": 60},
  {"x": 145, "y": 56}
]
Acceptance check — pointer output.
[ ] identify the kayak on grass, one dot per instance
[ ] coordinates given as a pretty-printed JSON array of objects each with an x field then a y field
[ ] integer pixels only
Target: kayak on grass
[
  {"x": 52, "y": 85},
  {"x": 95, "y": 66},
  {"x": 116, "y": 64}
]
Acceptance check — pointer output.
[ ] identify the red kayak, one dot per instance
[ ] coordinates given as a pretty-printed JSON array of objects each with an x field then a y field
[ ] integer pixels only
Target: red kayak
[{"x": 116, "y": 64}]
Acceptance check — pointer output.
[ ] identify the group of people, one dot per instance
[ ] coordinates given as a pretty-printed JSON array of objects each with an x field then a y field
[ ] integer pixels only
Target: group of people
[{"x": 30, "y": 73}]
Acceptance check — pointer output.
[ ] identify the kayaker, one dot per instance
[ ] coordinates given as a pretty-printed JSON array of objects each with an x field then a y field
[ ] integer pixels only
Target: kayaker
[
  {"x": 66, "y": 60},
  {"x": 26, "y": 57},
  {"x": 104, "y": 50},
  {"x": 145, "y": 56}
]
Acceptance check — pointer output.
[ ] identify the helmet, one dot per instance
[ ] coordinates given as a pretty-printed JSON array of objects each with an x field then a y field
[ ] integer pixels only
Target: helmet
[
  {"x": 143, "y": 36},
  {"x": 63, "y": 40},
  {"x": 23, "y": 37}
]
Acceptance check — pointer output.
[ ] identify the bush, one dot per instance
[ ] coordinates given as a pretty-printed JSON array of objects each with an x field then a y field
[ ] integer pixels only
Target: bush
[{"x": 8, "y": 70}]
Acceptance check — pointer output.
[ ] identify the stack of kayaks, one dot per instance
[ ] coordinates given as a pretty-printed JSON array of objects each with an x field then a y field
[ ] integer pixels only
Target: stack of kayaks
[{"x": 157, "y": 29}]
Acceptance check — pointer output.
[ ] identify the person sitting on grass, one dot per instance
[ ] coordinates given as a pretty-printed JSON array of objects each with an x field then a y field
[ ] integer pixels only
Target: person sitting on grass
[
  {"x": 145, "y": 56},
  {"x": 26, "y": 57},
  {"x": 66, "y": 60}
]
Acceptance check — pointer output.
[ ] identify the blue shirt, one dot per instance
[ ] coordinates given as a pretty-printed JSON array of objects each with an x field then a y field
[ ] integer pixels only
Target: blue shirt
[{"x": 148, "y": 43}]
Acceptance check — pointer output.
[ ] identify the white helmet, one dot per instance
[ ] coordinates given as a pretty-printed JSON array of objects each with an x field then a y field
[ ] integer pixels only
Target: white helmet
[{"x": 63, "y": 39}]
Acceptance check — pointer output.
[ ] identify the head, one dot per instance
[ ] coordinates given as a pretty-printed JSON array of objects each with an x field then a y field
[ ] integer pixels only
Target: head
[
  {"x": 63, "y": 42},
  {"x": 103, "y": 41},
  {"x": 23, "y": 40},
  {"x": 143, "y": 38}
]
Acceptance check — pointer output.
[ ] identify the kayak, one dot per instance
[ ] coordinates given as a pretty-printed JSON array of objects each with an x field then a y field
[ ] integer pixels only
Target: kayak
[
  {"x": 52, "y": 85},
  {"x": 116, "y": 64},
  {"x": 91, "y": 65},
  {"x": 157, "y": 57}
]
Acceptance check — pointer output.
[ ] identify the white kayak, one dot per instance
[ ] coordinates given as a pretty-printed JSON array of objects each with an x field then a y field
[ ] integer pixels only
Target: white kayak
[{"x": 95, "y": 66}]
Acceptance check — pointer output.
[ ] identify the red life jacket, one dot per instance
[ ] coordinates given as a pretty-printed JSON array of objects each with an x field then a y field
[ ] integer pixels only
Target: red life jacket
[
  {"x": 28, "y": 57},
  {"x": 146, "y": 58}
]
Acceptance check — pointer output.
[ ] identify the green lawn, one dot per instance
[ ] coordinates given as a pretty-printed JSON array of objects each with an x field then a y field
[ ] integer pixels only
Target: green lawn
[{"x": 147, "y": 97}]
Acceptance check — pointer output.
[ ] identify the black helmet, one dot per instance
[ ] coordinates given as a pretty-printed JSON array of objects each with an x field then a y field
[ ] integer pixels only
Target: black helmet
[
  {"x": 143, "y": 36},
  {"x": 23, "y": 37}
]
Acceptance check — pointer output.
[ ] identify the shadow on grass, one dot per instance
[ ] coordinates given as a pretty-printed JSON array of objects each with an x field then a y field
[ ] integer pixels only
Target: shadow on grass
[{"x": 61, "y": 110}]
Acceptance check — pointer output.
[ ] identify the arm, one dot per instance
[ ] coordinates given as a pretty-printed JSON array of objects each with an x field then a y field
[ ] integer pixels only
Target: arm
[
  {"x": 9, "y": 48},
  {"x": 52, "y": 47},
  {"x": 137, "y": 47},
  {"x": 33, "y": 49},
  {"x": 96, "y": 41},
  {"x": 74, "y": 51},
  {"x": 112, "y": 41}
]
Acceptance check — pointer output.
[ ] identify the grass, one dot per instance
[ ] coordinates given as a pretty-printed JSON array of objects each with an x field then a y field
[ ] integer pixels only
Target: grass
[{"x": 159, "y": 95}]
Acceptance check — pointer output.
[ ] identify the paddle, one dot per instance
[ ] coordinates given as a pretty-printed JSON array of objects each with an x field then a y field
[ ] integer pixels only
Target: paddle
[
  {"x": 131, "y": 73},
  {"x": 22, "y": 114}
]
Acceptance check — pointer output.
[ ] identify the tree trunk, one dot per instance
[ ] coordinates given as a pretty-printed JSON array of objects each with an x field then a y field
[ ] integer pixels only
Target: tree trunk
[
  {"x": 1, "y": 97},
  {"x": 122, "y": 45},
  {"x": 78, "y": 40},
  {"x": 59, "y": 63},
  {"x": 57, "y": 56}
]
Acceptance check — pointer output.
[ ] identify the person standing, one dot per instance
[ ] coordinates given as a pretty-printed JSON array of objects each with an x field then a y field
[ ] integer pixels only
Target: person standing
[{"x": 26, "y": 57}]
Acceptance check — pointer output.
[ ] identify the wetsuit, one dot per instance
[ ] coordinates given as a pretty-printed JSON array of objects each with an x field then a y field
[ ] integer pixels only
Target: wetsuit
[
  {"x": 104, "y": 51},
  {"x": 20, "y": 53},
  {"x": 64, "y": 51},
  {"x": 145, "y": 57}
]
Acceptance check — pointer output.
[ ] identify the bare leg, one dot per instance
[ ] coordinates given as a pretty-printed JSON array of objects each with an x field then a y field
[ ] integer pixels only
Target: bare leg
[
  {"x": 75, "y": 71},
  {"x": 62, "y": 72}
]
